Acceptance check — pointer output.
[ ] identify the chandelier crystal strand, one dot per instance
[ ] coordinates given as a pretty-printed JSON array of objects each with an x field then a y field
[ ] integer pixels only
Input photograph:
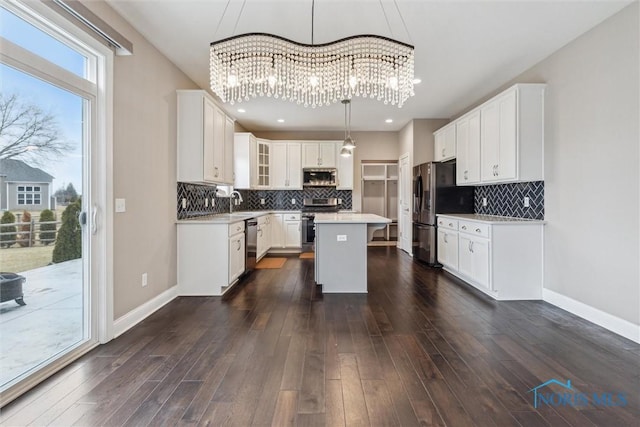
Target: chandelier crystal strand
[{"x": 257, "y": 65}]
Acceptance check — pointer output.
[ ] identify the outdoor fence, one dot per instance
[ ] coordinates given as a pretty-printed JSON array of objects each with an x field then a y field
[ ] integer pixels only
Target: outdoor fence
[{"x": 28, "y": 234}]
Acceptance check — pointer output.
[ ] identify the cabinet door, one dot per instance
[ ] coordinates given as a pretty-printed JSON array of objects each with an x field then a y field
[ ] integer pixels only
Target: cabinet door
[
  {"x": 327, "y": 154},
  {"x": 490, "y": 144},
  {"x": 236, "y": 257},
  {"x": 294, "y": 166},
  {"x": 219, "y": 122},
  {"x": 293, "y": 234},
  {"x": 229, "y": 133},
  {"x": 263, "y": 164},
  {"x": 310, "y": 155},
  {"x": 261, "y": 243},
  {"x": 450, "y": 142},
  {"x": 468, "y": 149},
  {"x": 345, "y": 170},
  {"x": 208, "y": 143},
  {"x": 474, "y": 259},
  {"x": 448, "y": 249},
  {"x": 277, "y": 231},
  {"x": 278, "y": 167},
  {"x": 507, "y": 149}
]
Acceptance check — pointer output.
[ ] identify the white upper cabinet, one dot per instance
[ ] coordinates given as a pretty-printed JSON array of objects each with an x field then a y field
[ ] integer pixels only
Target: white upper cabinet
[
  {"x": 245, "y": 161},
  {"x": 512, "y": 135},
  {"x": 286, "y": 168},
  {"x": 445, "y": 143},
  {"x": 318, "y": 154},
  {"x": 229, "y": 135},
  {"x": 468, "y": 149},
  {"x": 345, "y": 169},
  {"x": 201, "y": 139}
]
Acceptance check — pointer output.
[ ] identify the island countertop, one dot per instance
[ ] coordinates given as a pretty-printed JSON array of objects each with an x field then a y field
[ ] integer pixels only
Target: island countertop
[
  {"x": 350, "y": 218},
  {"x": 493, "y": 219}
]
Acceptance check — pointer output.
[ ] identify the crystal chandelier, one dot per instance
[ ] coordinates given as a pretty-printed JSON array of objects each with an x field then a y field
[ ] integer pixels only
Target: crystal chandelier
[{"x": 257, "y": 64}]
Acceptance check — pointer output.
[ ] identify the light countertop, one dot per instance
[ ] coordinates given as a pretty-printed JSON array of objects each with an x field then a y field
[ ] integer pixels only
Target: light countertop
[
  {"x": 350, "y": 218},
  {"x": 493, "y": 219},
  {"x": 225, "y": 218}
]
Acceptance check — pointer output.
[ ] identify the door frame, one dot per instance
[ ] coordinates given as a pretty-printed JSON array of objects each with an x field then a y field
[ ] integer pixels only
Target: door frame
[{"x": 405, "y": 242}]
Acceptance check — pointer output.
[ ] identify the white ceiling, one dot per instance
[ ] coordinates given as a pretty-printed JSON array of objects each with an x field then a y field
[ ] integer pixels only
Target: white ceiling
[{"x": 463, "y": 49}]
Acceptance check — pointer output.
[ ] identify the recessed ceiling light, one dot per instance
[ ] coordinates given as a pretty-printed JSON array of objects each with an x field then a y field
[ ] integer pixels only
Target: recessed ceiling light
[
  {"x": 416, "y": 81},
  {"x": 241, "y": 110},
  {"x": 389, "y": 121},
  {"x": 280, "y": 120}
]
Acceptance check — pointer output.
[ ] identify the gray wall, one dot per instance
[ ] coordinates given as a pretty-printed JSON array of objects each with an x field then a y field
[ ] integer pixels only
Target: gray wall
[
  {"x": 591, "y": 167},
  {"x": 144, "y": 169}
]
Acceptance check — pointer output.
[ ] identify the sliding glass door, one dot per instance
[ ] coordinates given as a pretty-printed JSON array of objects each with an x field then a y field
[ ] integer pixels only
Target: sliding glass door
[{"x": 48, "y": 95}]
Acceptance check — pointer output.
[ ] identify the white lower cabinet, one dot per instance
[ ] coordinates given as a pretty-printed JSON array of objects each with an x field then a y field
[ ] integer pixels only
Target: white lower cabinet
[
  {"x": 263, "y": 241},
  {"x": 236, "y": 256},
  {"x": 211, "y": 257},
  {"x": 502, "y": 257},
  {"x": 286, "y": 231},
  {"x": 473, "y": 258}
]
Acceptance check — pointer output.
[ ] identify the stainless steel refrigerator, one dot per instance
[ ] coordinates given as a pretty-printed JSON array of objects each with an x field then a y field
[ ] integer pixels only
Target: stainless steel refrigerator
[{"x": 435, "y": 192}]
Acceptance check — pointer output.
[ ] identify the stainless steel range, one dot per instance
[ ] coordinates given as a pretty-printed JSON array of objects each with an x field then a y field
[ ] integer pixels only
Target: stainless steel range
[{"x": 310, "y": 207}]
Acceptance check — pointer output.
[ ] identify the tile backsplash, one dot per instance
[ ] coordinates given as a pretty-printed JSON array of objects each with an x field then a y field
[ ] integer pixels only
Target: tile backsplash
[
  {"x": 194, "y": 196},
  {"x": 281, "y": 199},
  {"x": 508, "y": 199}
]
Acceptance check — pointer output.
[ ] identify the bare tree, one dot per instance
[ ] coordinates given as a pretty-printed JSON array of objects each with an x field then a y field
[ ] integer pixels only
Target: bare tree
[{"x": 28, "y": 133}]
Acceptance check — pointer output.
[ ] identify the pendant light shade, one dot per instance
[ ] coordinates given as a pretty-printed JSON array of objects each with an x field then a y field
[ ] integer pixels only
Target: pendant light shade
[{"x": 349, "y": 144}]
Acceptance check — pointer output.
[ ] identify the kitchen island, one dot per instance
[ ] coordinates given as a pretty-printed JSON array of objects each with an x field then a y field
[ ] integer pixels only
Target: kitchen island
[{"x": 341, "y": 250}]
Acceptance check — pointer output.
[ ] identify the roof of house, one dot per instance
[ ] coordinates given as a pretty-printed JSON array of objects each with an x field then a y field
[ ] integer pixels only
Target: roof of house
[{"x": 17, "y": 170}]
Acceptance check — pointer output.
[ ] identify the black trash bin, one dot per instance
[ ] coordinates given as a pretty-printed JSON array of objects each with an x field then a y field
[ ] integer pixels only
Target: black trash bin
[{"x": 11, "y": 287}]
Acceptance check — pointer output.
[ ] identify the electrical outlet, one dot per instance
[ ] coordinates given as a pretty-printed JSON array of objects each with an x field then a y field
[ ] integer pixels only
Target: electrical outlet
[
  {"x": 342, "y": 237},
  {"x": 213, "y": 202},
  {"x": 484, "y": 201},
  {"x": 526, "y": 202},
  {"x": 121, "y": 205},
  {"x": 184, "y": 203},
  {"x": 262, "y": 201},
  {"x": 339, "y": 201},
  {"x": 206, "y": 202},
  {"x": 293, "y": 201},
  {"x": 144, "y": 279}
]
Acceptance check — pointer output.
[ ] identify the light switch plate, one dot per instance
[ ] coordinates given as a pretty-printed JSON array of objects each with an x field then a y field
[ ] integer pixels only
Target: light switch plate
[
  {"x": 526, "y": 202},
  {"x": 121, "y": 205},
  {"x": 262, "y": 201},
  {"x": 342, "y": 237},
  {"x": 484, "y": 201},
  {"x": 293, "y": 201}
]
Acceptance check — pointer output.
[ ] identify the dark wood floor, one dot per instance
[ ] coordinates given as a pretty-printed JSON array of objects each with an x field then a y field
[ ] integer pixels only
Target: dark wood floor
[{"x": 419, "y": 349}]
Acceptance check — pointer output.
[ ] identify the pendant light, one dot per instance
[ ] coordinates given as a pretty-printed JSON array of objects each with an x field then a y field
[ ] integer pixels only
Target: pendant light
[{"x": 349, "y": 144}]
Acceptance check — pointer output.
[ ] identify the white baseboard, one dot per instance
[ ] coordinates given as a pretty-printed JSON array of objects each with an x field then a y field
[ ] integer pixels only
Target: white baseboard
[
  {"x": 123, "y": 323},
  {"x": 608, "y": 321}
]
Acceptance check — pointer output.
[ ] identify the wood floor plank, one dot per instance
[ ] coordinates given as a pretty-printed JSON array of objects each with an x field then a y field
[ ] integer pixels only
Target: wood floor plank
[
  {"x": 334, "y": 404},
  {"x": 421, "y": 348},
  {"x": 286, "y": 409},
  {"x": 355, "y": 407}
]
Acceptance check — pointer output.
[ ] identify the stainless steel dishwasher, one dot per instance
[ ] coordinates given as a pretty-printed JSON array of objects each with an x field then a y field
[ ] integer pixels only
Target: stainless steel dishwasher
[{"x": 251, "y": 237}]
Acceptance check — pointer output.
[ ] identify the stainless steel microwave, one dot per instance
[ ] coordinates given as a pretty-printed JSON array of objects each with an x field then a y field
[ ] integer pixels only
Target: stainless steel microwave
[{"x": 319, "y": 177}]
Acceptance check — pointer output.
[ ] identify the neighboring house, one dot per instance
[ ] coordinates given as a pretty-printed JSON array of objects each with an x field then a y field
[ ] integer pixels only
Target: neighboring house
[{"x": 23, "y": 186}]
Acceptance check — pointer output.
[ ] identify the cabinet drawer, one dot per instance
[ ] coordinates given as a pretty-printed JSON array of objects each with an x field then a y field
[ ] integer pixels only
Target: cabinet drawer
[
  {"x": 292, "y": 217},
  {"x": 236, "y": 227},
  {"x": 475, "y": 228},
  {"x": 451, "y": 224}
]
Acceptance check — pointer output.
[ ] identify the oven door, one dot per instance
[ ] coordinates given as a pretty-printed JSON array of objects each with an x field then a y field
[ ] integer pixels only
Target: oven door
[{"x": 308, "y": 232}]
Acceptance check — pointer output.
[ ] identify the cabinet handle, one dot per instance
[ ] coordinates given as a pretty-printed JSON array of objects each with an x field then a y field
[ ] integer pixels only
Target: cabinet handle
[
  {"x": 464, "y": 227},
  {"x": 239, "y": 245},
  {"x": 445, "y": 238},
  {"x": 443, "y": 152},
  {"x": 478, "y": 230},
  {"x": 471, "y": 246},
  {"x": 466, "y": 177},
  {"x": 450, "y": 224}
]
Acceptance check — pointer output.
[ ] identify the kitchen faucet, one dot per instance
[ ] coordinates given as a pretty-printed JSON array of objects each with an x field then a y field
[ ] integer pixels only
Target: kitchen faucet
[{"x": 231, "y": 199}]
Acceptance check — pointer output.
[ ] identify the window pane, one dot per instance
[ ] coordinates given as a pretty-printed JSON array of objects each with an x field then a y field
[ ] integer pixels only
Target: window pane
[
  {"x": 20, "y": 187},
  {"x": 29, "y": 188},
  {"x": 25, "y": 35},
  {"x": 36, "y": 188}
]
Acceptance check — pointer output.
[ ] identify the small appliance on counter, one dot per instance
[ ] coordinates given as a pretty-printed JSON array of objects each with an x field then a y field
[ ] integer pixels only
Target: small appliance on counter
[{"x": 435, "y": 192}]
